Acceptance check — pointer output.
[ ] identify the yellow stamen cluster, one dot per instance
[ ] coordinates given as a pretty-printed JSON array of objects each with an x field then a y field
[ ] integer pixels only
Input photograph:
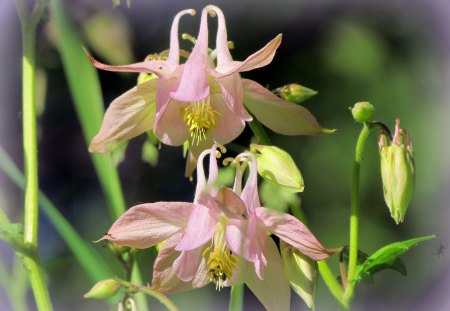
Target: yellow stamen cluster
[
  {"x": 220, "y": 260},
  {"x": 200, "y": 118}
]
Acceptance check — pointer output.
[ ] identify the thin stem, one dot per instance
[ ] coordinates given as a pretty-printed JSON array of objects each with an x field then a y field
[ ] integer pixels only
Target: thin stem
[
  {"x": 147, "y": 290},
  {"x": 31, "y": 262},
  {"x": 354, "y": 218},
  {"x": 236, "y": 298},
  {"x": 259, "y": 132},
  {"x": 332, "y": 284}
]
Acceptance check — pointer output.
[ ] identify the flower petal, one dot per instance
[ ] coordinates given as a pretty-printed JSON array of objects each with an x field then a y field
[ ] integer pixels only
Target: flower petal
[
  {"x": 223, "y": 53},
  {"x": 292, "y": 231},
  {"x": 229, "y": 123},
  {"x": 145, "y": 225},
  {"x": 174, "y": 51},
  {"x": 186, "y": 265},
  {"x": 194, "y": 85},
  {"x": 164, "y": 277},
  {"x": 258, "y": 59},
  {"x": 161, "y": 68},
  {"x": 199, "y": 229},
  {"x": 129, "y": 115},
  {"x": 273, "y": 292},
  {"x": 277, "y": 114}
]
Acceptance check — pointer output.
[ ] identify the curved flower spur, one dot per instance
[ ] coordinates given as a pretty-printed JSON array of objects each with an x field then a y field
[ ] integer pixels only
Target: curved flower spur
[
  {"x": 198, "y": 101},
  {"x": 222, "y": 237}
]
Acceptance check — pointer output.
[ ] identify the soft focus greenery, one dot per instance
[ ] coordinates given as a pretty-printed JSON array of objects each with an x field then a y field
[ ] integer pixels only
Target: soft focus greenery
[{"x": 359, "y": 52}]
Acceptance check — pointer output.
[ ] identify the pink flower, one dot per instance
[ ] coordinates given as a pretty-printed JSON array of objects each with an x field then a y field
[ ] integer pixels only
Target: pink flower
[
  {"x": 221, "y": 237},
  {"x": 201, "y": 101}
]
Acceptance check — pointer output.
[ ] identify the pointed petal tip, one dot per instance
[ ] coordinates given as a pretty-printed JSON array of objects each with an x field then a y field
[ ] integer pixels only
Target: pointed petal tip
[{"x": 328, "y": 131}]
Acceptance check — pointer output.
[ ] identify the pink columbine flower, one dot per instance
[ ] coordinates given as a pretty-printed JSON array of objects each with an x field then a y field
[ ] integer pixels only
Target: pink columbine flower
[
  {"x": 201, "y": 101},
  {"x": 222, "y": 237}
]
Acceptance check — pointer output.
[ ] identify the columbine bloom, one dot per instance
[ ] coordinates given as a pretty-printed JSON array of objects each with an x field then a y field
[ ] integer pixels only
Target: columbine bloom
[
  {"x": 201, "y": 101},
  {"x": 222, "y": 237}
]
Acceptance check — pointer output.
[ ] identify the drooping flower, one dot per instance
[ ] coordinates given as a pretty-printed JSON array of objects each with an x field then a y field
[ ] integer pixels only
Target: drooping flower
[
  {"x": 201, "y": 101},
  {"x": 222, "y": 237}
]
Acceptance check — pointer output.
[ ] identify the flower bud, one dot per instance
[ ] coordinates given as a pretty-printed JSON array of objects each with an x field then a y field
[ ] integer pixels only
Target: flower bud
[
  {"x": 295, "y": 93},
  {"x": 363, "y": 112},
  {"x": 301, "y": 272},
  {"x": 104, "y": 289},
  {"x": 276, "y": 165},
  {"x": 397, "y": 171}
]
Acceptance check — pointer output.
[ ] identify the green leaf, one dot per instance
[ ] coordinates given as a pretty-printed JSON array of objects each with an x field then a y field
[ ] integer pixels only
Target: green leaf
[
  {"x": 387, "y": 258},
  {"x": 86, "y": 255},
  {"x": 87, "y": 97}
]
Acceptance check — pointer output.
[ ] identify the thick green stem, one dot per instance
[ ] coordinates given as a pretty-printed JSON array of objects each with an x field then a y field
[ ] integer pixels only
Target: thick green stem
[
  {"x": 259, "y": 132},
  {"x": 236, "y": 298},
  {"x": 354, "y": 218},
  {"x": 31, "y": 223}
]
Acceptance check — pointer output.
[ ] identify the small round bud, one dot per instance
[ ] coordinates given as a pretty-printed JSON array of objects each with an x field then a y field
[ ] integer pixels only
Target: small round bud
[
  {"x": 104, "y": 289},
  {"x": 363, "y": 112},
  {"x": 295, "y": 93}
]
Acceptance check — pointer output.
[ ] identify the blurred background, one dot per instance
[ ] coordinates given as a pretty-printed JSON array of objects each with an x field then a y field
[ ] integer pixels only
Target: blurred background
[{"x": 394, "y": 54}]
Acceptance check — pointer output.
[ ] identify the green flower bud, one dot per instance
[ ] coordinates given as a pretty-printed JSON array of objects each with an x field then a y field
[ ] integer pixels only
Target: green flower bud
[
  {"x": 397, "y": 172},
  {"x": 276, "y": 165},
  {"x": 363, "y": 112},
  {"x": 301, "y": 272},
  {"x": 295, "y": 93},
  {"x": 104, "y": 289}
]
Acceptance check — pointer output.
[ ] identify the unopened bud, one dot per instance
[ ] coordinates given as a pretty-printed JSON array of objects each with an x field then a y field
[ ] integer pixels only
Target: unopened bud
[
  {"x": 295, "y": 93},
  {"x": 277, "y": 165},
  {"x": 104, "y": 289},
  {"x": 397, "y": 171},
  {"x": 363, "y": 112},
  {"x": 301, "y": 272}
]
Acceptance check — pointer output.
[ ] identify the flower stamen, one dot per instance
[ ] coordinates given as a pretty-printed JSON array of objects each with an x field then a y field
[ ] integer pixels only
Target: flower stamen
[
  {"x": 200, "y": 118},
  {"x": 220, "y": 260}
]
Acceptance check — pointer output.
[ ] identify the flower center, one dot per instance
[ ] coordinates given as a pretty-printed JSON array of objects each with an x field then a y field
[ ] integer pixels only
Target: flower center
[
  {"x": 220, "y": 260},
  {"x": 200, "y": 118}
]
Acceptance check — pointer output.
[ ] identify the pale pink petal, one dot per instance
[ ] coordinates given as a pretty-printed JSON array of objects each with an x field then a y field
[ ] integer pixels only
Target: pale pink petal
[
  {"x": 250, "y": 192},
  {"x": 174, "y": 52},
  {"x": 170, "y": 127},
  {"x": 147, "y": 224},
  {"x": 230, "y": 204},
  {"x": 194, "y": 85},
  {"x": 128, "y": 116},
  {"x": 273, "y": 292},
  {"x": 161, "y": 68},
  {"x": 164, "y": 277},
  {"x": 232, "y": 94},
  {"x": 199, "y": 229},
  {"x": 292, "y": 231},
  {"x": 229, "y": 124},
  {"x": 259, "y": 59},
  {"x": 186, "y": 265},
  {"x": 277, "y": 114},
  {"x": 223, "y": 53}
]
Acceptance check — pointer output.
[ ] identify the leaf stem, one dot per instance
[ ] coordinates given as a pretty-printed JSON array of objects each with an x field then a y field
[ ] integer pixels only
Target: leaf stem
[
  {"x": 259, "y": 132},
  {"x": 354, "y": 218}
]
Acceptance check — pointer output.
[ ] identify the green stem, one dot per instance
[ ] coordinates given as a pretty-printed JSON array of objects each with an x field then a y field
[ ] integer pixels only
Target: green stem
[
  {"x": 354, "y": 219},
  {"x": 259, "y": 132},
  {"x": 332, "y": 284},
  {"x": 236, "y": 297},
  {"x": 147, "y": 290},
  {"x": 31, "y": 223}
]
